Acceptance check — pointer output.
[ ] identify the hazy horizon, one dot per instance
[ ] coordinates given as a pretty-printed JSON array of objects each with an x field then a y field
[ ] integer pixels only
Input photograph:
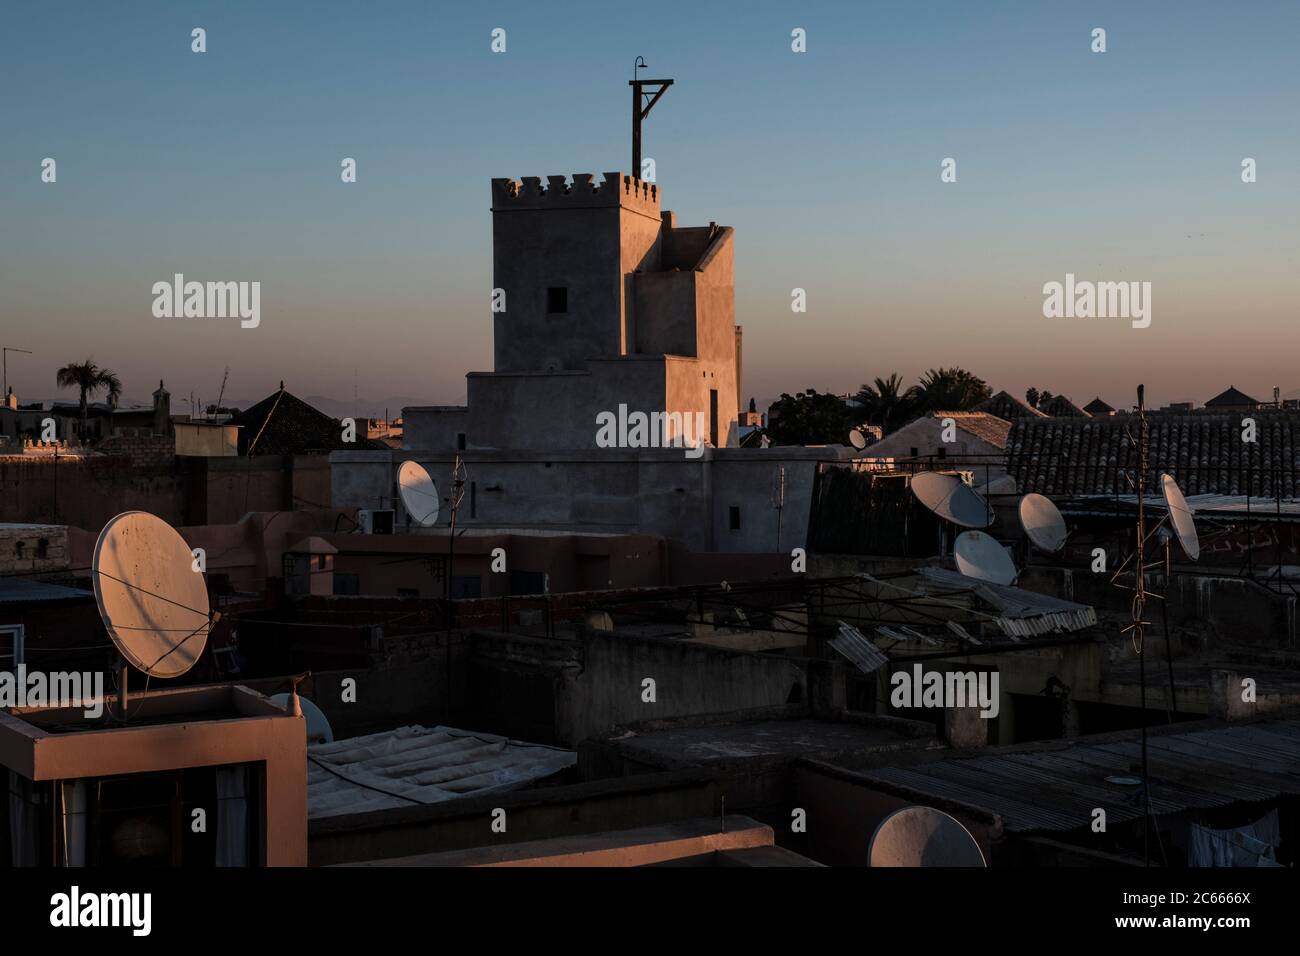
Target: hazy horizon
[{"x": 225, "y": 166}]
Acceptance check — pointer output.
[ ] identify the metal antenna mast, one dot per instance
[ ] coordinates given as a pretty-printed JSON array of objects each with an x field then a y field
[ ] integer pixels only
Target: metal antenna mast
[
  {"x": 645, "y": 94},
  {"x": 1139, "y": 606},
  {"x": 4, "y": 353}
]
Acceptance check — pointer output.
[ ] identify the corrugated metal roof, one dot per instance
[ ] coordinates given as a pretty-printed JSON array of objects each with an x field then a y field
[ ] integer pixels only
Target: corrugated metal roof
[
  {"x": 419, "y": 765},
  {"x": 856, "y": 647},
  {"x": 1019, "y": 613},
  {"x": 1058, "y": 789},
  {"x": 23, "y": 591}
]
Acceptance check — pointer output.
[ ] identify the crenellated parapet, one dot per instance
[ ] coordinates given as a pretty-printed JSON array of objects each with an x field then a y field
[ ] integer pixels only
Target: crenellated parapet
[{"x": 581, "y": 192}]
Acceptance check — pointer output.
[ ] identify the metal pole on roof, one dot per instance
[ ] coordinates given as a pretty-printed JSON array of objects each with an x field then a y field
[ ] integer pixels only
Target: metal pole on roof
[
  {"x": 4, "y": 358},
  {"x": 1139, "y": 602}
]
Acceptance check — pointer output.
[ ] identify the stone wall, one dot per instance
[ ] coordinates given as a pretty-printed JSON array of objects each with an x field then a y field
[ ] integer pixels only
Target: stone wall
[
  {"x": 30, "y": 548},
  {"x": 143, "y": 450}
]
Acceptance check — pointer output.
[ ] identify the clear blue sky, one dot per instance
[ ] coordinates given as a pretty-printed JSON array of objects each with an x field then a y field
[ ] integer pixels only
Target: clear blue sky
[{"x": 1123, "y": 165}]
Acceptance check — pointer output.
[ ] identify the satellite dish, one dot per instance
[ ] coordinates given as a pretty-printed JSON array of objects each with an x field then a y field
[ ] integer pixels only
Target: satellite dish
[
  {"x": 419, "y": 493},
  {"x": 979, "y": 556},
  {"x": 857, "y": 439},
  {"x": 319, "y": 730},
  {"x": 1001, "y": 485},
  {"x": 923, "y": 836},
  {"x": 951, "y": 499},
  {"x": 1180, "y": 515},
  {"x": 1042, "y": 522},
  {"x": 153, "y": 603}
]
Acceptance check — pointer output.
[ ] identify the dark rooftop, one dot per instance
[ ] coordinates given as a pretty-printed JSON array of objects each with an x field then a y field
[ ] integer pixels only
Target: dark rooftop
[
  {"x": 283, "y": 424},
  {"x": 1056, "y": 786}
]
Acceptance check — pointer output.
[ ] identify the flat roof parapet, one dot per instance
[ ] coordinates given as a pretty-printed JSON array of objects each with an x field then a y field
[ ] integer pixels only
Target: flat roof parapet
[{"x": 582, "y": 193}]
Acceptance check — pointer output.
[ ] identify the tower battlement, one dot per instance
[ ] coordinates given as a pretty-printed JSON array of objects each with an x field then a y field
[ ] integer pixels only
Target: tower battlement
[{"x": 582, "y": 193}]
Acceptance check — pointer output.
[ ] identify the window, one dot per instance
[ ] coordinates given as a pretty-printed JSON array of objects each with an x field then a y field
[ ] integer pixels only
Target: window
[
  {"x": 942, "y": 452},
  {"x": 460, "y": 441},
  {"x": 557, "y": 300},
  {"x": 914, "y": 453},
  {"x": 713, "y": 417},
  {"x": 734, "y": 514}
]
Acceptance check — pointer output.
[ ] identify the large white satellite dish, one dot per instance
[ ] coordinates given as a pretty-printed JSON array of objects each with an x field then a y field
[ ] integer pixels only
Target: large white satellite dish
[
  {"x": 1180, "y": 515},
  {"x": 857, "y": 439},
  {"x": 153, "y": 603},
  {"x": 1042, "y": 522},
  {"x": 419, "y": 493},
  {"x": 980, "y": 556},
  {"x": 319, "y": 730},
  {"x": 923, "y": 836},
  {"x": 951, "y": 499}
]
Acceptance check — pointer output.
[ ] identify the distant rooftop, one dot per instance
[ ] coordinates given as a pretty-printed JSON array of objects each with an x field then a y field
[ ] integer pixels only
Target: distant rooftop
[{"x": 983, "y": 425}]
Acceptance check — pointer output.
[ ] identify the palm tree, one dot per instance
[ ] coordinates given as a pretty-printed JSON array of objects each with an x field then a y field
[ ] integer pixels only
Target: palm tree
[
  {"x": 89, "y": 378},
  {"x": 952, "y": 389},
  {"x": 886, "y": 401}
]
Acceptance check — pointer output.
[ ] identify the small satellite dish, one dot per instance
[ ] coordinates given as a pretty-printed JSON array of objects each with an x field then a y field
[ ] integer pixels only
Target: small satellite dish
[
  {"x": 923, "y": 836},
  {"x": 979, "y": 556},
  {"x": 857, "y": 439},
  {"x": 419, "y": 493},
  {"x": 1042, "y": 522},
  {"x": 319, "y": 730},
  {"x": 951, "y": 499},
  {"x": 153, "y": 603},
  {"x": 1180, "y": 515}
]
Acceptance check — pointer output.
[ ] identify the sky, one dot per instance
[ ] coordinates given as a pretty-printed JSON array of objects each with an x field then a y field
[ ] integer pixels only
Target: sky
[{"x": 1115, "y": 166}]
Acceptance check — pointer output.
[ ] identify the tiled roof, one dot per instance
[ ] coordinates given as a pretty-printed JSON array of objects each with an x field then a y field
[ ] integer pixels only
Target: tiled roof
[
  {"x": 1204, "y": 452},
  {"x": 1007, "y": 406},
  {"x": 1231, "y": 397},
  {"x": 1098, "y": 407},
  {"x": 283, "y": 424},
  {"x": 982, "y": 425},
  {"x": 1062, "y": 407}
]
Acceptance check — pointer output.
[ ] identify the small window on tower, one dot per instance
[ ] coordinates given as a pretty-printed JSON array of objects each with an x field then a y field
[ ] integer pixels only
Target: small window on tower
[
  {"x": 734, "y": 515},
  {"x": 557, "y": 300}
]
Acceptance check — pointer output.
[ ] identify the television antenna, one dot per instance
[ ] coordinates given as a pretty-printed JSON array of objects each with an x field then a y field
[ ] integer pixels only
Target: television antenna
[
  {"x": 151, "y": 597},
  {"x": 923, "y": 836},
  {"x": 4, "y": 359}
]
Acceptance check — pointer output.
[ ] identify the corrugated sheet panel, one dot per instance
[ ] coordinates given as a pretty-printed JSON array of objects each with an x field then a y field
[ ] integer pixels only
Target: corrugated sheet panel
[
  {"x": 419, "y": 765},
  {"x": 853, "y": 645},
  {"x": 1057, "y": 789}
]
